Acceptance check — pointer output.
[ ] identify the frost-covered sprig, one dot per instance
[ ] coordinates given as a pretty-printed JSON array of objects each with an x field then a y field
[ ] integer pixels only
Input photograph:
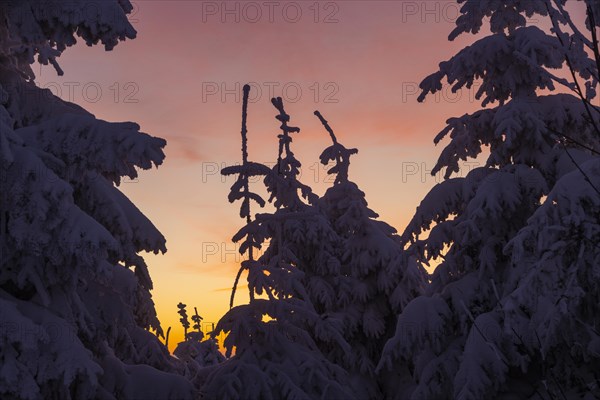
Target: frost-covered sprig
[
  {"x": 336, "y": 152},
  {"x": 184, "y": 318},
  {"x": 196, "y": 318},
  {"x": 282, "y": 182},
  {"x": 241, "y": 190},
  {"x": 197, "y": 335},
  {"x": 284, "y": 139}
]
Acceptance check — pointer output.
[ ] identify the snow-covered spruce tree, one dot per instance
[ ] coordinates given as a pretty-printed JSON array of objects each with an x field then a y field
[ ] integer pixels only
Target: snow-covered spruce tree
[
  {"x": 462, "y": 339},
  {"x": 194, "y": 351},
  {"x": 75, "y": 295},
  {"x": 373, "y": 286},
  {"x": 274, "y": 336},
  {"x": 553, "y": 309}
]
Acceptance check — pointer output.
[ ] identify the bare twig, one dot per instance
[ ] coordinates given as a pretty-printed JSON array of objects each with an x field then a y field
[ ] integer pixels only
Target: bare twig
[
  {"x": 235, "y": 284},
  {"x": 569, "y": 21},
  {"x": 592, "y": 20},
  {"x": 167, "y": 338},
  {"x": 585, "y": 176},
  {"x": 578, "y": 89},
  {"x": 574, "y": 141},
  {"x": 326, "y": 125}
]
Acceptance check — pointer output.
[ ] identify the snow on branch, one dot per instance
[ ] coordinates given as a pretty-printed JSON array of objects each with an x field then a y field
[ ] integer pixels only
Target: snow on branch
[
  {"x": 241, "y": 190},
  {"x": 336, "y": 152},
  {"x": 282, "y": 182}
]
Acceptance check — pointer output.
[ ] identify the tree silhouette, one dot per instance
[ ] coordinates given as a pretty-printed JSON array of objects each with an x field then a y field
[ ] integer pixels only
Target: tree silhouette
[{"x": 274, "y": 334}]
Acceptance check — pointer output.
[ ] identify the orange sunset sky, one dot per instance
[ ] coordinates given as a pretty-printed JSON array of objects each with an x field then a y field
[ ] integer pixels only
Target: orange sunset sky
[{"x": 358, "y": 62}]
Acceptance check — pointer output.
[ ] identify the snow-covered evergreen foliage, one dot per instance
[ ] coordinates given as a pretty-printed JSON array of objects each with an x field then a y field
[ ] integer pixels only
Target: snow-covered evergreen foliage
[
  {"x": 197, "y": 353},
  {"x": 74, "y": 290},
  {"x": 510, "y": 311},
  {"x": 553, "y": 309},
  {"x": 274, "y": 335},
  {"x": 373, "y": 286}
]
